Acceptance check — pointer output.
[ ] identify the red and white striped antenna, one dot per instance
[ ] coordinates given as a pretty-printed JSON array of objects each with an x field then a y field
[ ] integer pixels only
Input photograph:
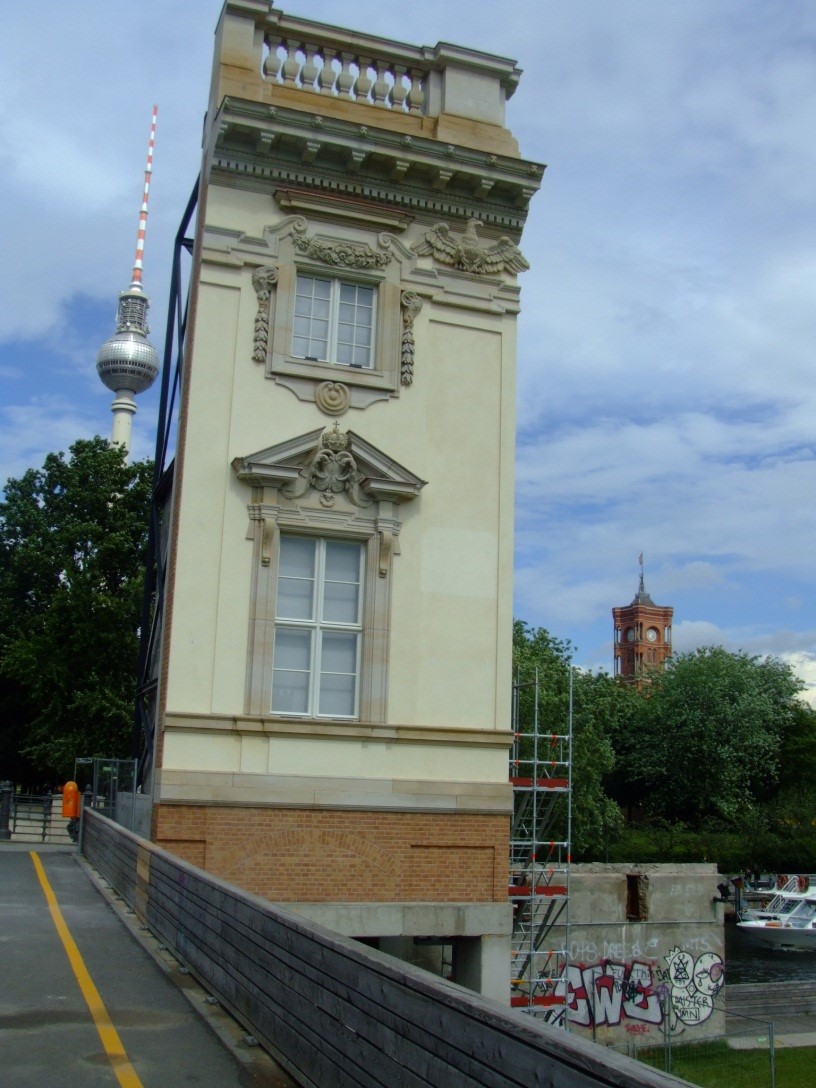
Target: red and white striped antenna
[{"x": 136, "y": 282}]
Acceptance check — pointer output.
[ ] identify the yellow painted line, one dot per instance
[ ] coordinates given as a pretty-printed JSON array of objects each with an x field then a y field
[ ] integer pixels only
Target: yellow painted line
[{"x": 125, "y": 1073}]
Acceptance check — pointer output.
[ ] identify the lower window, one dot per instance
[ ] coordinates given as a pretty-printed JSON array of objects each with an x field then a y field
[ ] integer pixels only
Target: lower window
[{"x": 318, "y": 627}]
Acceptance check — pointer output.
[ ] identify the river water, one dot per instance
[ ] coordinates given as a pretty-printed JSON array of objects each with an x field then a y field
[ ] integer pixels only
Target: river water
[{"x": 748, "y": 961}]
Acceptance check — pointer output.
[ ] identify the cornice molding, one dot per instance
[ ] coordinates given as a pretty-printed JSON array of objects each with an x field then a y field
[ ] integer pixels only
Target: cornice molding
[{"x": 254, "y": 145}]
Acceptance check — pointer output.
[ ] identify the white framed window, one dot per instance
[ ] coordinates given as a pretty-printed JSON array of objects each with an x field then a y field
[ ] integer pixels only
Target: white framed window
[
  {"x": 318, "y": 627},
  {"x": 334, "y": 322}
]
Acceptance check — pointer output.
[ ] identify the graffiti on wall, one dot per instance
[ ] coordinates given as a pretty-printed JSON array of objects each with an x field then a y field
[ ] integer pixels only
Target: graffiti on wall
[{"x": 642, "y": 992}]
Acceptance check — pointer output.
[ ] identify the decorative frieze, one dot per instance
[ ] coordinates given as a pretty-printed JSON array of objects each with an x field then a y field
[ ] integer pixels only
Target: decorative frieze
[{"x": 465, "y": 253}]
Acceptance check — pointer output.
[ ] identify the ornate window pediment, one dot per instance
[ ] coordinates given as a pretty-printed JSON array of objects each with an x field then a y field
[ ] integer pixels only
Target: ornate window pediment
[{"x": 330, "y": 462}]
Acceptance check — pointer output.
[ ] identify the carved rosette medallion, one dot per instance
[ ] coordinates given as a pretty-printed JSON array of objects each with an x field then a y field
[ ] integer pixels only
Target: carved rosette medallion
[
  {"x": 411, "y": 305},
  {"x": 263, "y": 280},
  {"x": 465, "y": 253},
  {"x": 333, "y": 398}
]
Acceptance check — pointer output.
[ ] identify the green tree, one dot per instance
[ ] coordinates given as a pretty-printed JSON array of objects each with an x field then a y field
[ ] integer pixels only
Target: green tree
[
  {"x": 72, "y": 544},
  {"x": 707, "y": 734},
  {"x": 597, "y": 703}
]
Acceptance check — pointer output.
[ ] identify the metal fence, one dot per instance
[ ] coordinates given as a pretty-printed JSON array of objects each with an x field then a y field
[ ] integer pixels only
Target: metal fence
[
  {"x": 744, "y": 1055},
  {"x": 109, "y": 786}
]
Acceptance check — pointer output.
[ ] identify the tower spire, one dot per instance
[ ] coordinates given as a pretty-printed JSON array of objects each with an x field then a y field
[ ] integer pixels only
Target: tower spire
[
  {"x": 127, "y": 363},
  {"x": 136, "y": 281}
]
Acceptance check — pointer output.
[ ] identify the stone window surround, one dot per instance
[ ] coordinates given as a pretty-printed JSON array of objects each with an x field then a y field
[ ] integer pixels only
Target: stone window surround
[
  {"x": 269, "y": 522},
  {"x": 376, "y": 525},
  {"x": 379, "y": 268}
]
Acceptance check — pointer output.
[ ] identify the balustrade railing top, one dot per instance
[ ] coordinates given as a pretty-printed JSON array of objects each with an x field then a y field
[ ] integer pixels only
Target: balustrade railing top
[
  {"x": 326, "y": 69},
  {"x": 303, "y": 55}
]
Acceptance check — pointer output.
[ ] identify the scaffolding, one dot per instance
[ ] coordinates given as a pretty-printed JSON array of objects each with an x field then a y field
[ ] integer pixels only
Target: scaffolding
[{"x": 540, "y": 856}]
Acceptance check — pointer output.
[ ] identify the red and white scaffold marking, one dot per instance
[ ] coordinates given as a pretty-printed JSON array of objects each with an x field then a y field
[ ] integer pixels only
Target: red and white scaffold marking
[{"x": 140, "y": 237}]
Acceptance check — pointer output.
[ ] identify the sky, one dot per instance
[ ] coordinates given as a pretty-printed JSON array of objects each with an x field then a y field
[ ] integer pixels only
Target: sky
[{"x": 666, "y": 394}]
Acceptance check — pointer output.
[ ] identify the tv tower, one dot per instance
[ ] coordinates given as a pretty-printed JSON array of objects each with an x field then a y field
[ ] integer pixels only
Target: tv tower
[{"x": 127, "y": 363}]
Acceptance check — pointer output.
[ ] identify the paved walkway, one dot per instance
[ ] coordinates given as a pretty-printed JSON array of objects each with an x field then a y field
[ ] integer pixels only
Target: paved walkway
[{"x": 84, "y": 1004}]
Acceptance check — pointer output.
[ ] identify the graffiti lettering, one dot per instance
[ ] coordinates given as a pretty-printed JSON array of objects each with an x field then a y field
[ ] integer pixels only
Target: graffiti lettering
[
  {"x": 608, "y": 992},
  {"x": 636, "y": 1029}
]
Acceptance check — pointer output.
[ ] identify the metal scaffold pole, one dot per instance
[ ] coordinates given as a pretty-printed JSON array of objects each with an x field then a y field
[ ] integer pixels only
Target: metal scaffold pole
[{"x": 540, "y": 855}]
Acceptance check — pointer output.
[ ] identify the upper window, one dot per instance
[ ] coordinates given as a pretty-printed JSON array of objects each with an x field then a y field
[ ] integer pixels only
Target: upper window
[
  {"x": 318, "y": 627},
  {"x": 334, "y": 322}
]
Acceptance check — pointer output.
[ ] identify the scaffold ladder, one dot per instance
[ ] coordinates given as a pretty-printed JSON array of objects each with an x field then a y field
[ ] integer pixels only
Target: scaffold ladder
[{"x": 540, "y": 856}]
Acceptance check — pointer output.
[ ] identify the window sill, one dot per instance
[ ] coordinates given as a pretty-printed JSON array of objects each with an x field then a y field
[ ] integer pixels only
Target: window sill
[{"x": 317, "y": 371}]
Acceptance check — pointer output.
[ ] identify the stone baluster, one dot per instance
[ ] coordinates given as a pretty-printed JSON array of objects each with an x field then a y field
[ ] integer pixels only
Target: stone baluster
[
  {"x": 272, "y": 64},
  {"x": 381, "y": 88},
  {"x": 309, "y": 71},
  {"x": 325, "y": 81},
  {"x": 364, "y": 83},
  {"x": 399, "y": 92},
  {"x": 345, "y": 80},
  {"x": 291, "y": 66},
  {"x": 416, "y": 95}
]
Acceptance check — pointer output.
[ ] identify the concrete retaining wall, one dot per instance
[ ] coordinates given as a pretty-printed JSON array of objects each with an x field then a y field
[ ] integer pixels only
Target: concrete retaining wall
[
  {"x": 646, "y": 946},
  {"x": 331, "y": 1010}
]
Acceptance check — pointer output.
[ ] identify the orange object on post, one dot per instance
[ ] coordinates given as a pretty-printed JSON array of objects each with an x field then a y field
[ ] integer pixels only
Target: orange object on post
[{"x": 70, "y": 800}]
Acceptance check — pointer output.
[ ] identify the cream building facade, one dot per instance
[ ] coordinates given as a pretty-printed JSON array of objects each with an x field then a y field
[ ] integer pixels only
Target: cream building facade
[{"x": 334, "y": 691}]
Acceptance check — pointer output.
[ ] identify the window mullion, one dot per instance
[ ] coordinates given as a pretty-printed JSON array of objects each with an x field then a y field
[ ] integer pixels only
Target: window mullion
[{"x": 334, "y": 318}]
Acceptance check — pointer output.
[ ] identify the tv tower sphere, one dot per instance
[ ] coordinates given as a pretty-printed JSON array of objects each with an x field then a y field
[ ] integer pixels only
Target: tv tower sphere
[{"x": 128, "y": 360}]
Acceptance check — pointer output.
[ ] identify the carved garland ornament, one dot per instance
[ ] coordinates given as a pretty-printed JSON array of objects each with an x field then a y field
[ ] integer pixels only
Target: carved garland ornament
[
  {"x": 339, "y": 254},
  {"x": 411, "y": 305},
  {"x": 465, "y": 252},
  {"x": 263, "y": 280}
]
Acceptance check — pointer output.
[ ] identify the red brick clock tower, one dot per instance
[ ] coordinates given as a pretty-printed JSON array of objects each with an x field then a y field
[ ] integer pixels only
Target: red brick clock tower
[{"x": 642, "y": 635}]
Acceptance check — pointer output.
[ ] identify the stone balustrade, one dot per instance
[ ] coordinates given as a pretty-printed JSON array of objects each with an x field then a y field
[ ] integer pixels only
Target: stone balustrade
[{"x": 376, "y": 80}]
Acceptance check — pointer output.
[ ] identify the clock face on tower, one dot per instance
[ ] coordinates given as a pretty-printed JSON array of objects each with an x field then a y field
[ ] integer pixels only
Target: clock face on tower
[
  {"x": 651, "y": 634},
  {"x": 630, "y": 634}
]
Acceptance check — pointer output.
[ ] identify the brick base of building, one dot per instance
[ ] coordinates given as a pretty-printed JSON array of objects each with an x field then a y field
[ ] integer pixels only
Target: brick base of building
[{"x": 342, "y": 856}]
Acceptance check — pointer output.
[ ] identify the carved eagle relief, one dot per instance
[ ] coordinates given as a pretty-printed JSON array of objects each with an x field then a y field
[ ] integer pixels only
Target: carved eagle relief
[{"x": 465, "y": 253}]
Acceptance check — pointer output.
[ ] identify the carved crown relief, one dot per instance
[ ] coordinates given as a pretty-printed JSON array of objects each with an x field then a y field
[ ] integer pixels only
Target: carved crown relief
[
  {"x": 331, "y": 471},
  {"x": 329, "y": 463},
  {"x": 466, "y": 254}
]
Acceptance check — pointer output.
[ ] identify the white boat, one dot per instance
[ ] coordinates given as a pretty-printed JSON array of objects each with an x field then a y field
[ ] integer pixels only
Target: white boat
[{"x": 788, "y": 920}]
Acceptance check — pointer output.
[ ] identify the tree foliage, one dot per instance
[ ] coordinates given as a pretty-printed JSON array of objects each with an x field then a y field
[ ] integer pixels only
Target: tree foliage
[
  {"x": 72, "y": 543},
  {"x": 705, "y": 740}
]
